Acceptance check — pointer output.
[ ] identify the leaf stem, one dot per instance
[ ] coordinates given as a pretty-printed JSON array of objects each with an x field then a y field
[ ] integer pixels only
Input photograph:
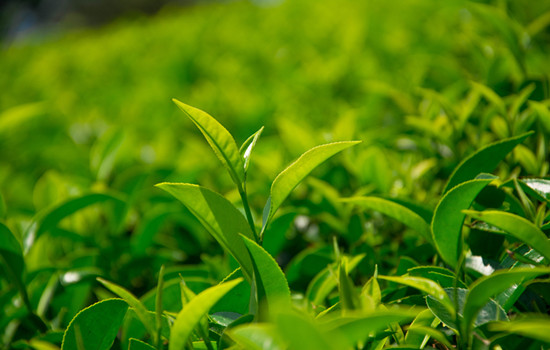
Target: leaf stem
[{"x": 249, "y": 218}]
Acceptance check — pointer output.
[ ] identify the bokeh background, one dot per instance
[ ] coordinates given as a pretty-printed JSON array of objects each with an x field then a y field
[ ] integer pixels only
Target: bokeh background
[{"x": 85, "y": 106}]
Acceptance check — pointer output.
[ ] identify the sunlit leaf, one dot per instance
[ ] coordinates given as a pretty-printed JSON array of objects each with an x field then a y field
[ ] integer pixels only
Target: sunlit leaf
[
  {"x": 426, "y": 285},
  {"x": 256, "y": 336},
  {"x": 448, "y": 219},
  {"x": 191, "y": 314},
  {"x": 247, "y": 148},
  {"x": 96, "y": 326},
  {"x": 220, "y": 140},
  {"x": 220, "y": 218},
  {"x": 534, "y": 326},
  {"x": 270, "y": 281},
  {"x": 516, "y": 226},
  {"x": 484, "y": 160},
  {"x": 289, "y": 178}
]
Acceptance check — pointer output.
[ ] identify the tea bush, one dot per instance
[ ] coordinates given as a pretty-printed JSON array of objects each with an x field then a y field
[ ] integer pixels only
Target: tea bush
[{"x": 430, "y": 232}]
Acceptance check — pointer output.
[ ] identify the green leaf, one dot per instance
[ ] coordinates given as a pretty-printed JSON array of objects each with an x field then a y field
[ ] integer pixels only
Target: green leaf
[
  {"x": 539, "y": 187},
  {"x": 96, "y": 326},
  {"x": 289, "y": 178},
  {"x": 50, "y": 219},
  {"x": 448, "y": 219},
  {"x": 104, "y": 152},
  {"x": 140, "y": 309},
  {"x": 220, "y": 140},
  {"x": 191, "y": 314},
  {"x": 516, "y": 226},
  {"x": 484, "y": 160},
  {"x": 271, "y": 284},
  {"x": 256, "y": 336},
  {"x": 357, "y": 328},
  {"x": 431, "y": 332},
  {"x": 486, "y": 287},
  {"x": 136, "y": 344},
  {"x": 302, "y": 333},
  {"x": 426, "y": 285},
  {"x": 11, "y": 255},
  {"x": 247, "y": 148},
  {"x": 424, "y": 319},
  {"x": 491, "y": 311},
  {"x": 396, "y": 211},
  {"x": 349, "y": 296},
  {"x": 220, "y": 218},
  {"x": 533, "y": 326}
]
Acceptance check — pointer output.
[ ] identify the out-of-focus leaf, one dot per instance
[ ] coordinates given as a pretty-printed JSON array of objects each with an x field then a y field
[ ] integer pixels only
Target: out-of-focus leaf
[
  {"x": 396, "y": 211},
  {"x": 140, "y": 309},
  {"x": 247, "y": 148},
  {"x": 424, "y": 319},
  {"x": 326, "y": 280},
  {"x": 484, "y": 160},
  {"x": 191, "y": 314},
  {"x": 516, "y": 226},
  {"x": 96, "y": 326},
  {"x": 534, "y": 326},
  {"x": 540, "y": 187},
  {"x": 431, "y": 332},
  {"x": 270, "y": 281},
  {"x": 50, "y": 219},
  {"x": 256, "y": 336},
  {"x": 448, "y": 219},
  {"x": 220, "y": 140},
  {"x": 103, "y": 154},
  {"x": 289, "y": 178},
  {"x": 302, "y": 333},
  {"x": 486, "y": 287},
  {"x": 357, "y": 328},
  {"x": 220, "y": 218},
  {"x": 426, "y": 285}
]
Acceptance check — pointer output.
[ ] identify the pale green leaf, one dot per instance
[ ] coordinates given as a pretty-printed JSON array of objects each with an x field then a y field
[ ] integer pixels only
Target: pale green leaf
[
  {"x": 256, "y": 336},
  {"x": 516, "y": 226},
  {"x": 271, "y": 284},
  {"x": 289, "y": 178},
  {"x": 425, "y": 285},
  {"x": 448, "y": 219},
  {"x": 534, "y": 326},
  {"x": 191, "y": 314},
  {"x": 220, "y": 140},
  {"x": 96, "y": 326},
  {"x": 136, "y": 344},
  {"x": 247, "y": 148},
  {"x": 220, "y": 218}
]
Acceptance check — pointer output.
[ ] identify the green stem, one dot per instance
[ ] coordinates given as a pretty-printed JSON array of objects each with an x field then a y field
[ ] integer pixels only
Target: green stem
[{"x": 244, "y": 198}]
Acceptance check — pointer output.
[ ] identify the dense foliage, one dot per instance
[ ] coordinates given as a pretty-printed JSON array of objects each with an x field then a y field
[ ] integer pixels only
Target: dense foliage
[{"x": 413, "y": 212}]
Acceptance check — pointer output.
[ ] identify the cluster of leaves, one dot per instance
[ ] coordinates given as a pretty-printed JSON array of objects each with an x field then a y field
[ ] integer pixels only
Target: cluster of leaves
[{"x": 431, "y": 232}]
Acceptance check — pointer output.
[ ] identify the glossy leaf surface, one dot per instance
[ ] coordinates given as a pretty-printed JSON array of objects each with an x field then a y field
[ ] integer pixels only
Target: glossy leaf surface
[
  {"x": 96, "y": 326},
  {"x": 448, "y": 219},
  {"x": 220, "y": 140}
]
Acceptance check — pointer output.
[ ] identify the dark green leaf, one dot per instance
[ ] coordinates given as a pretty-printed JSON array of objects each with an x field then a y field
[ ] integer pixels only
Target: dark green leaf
[
  {"x": 96, "y": 326},
  {"x": 448, "y": 219},
  {"x": 484, "y": 160}
]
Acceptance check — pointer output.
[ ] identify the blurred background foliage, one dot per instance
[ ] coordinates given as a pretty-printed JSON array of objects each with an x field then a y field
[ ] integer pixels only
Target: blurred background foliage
[{"x": 422, "y": 83}]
